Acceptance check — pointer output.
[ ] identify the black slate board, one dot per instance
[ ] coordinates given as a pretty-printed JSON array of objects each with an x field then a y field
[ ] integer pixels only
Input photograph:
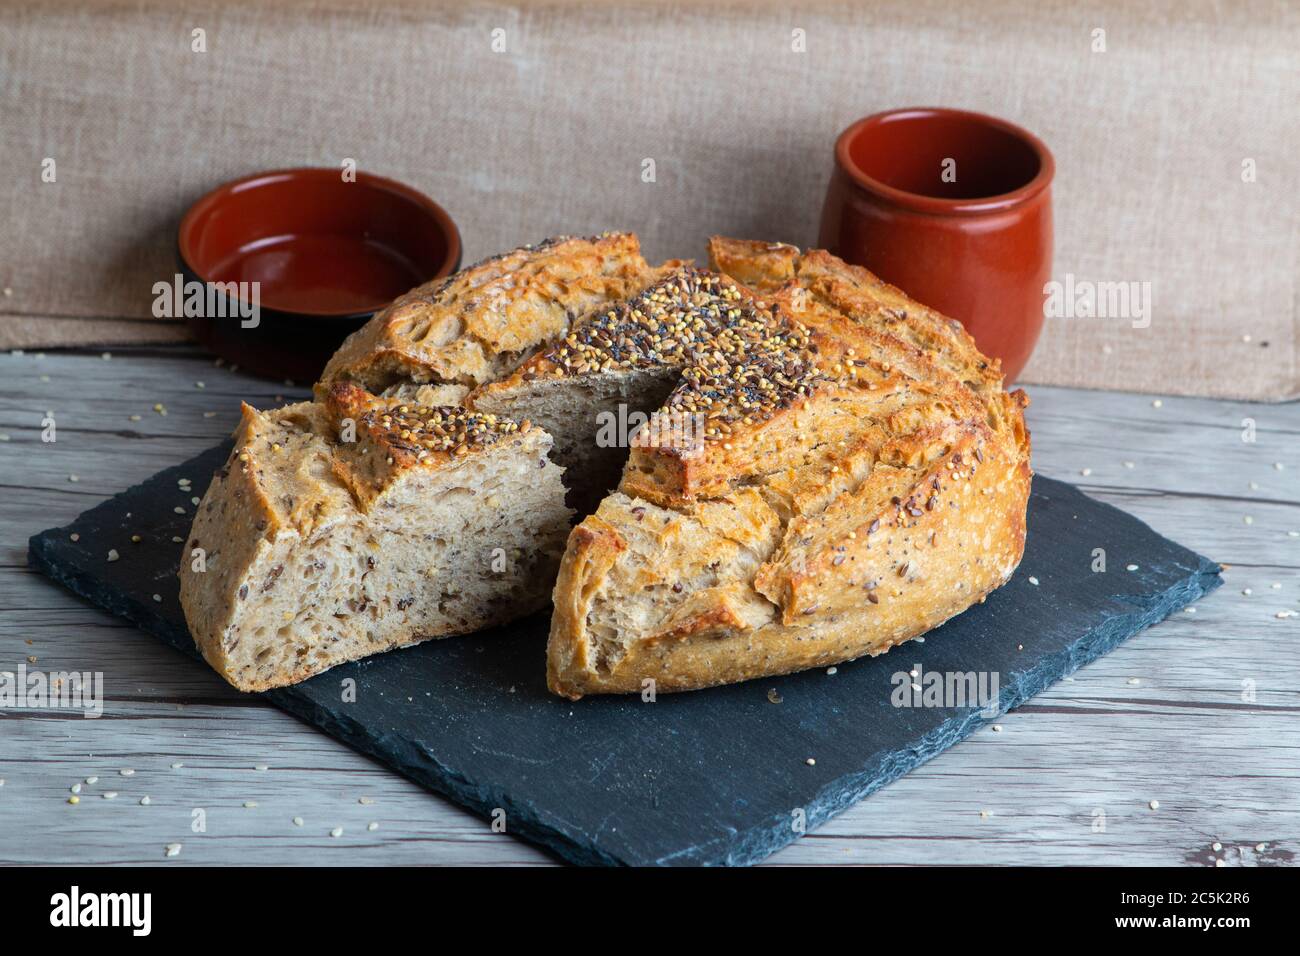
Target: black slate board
[{"x": 709, "y": 777}]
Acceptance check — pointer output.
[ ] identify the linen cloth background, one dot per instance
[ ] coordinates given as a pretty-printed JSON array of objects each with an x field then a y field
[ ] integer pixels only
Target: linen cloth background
[{"x": 549, "y": 136}]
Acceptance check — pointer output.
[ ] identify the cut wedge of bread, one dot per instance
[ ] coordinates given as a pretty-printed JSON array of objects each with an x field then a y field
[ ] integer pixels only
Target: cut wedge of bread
[{"x": 358, "y": 524}]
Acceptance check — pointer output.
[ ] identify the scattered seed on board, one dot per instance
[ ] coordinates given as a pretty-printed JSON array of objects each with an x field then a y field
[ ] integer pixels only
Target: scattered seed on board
[
  {"x": 179, "y": 510},
  {"x": 74, "y": 799},
  {"x": 1130, "y": 567},
  {"x": 75, "y": 788},
  {"x": 250, "y": 804},
  {"x": 260, "y": 766},
  {"x": 1033, "y": 580},
  {"x": 1248, "y": 519},
  {"x": 92, "y": 780},
  {"x": 1085, "y": 472},
  {"x": 297, "y": 821},
  {"x": 812, "y": 762},
  {"x": 1216, "y": 847},
  {"x": 985, "y": 814},
  {"x": 145, "y": 801},
  {"x": 1261, "y": 847},
  {"x": 177, "y": 766},
  {"x": 158, "y": 598},
  {"x": 997, "y": 728},
  {"x": 172, "y": 849},
  {"x": 832, "y": 671},
  {"x": 112, "y": 554},
  {"x": 1157, "y": 404},
  {"x": 1134, "y": 681},
  {"x": 365, "y": 801},
  {"x": 1154, "y": 804},
  {"x": 110, "y": 794},
  {"x": 336, "y": 832},
  {"x": 773, "y": 696},
  {"x": 127, "y": 772}
]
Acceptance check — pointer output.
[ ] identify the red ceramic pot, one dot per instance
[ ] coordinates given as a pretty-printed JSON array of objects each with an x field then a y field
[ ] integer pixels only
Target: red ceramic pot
[
  {"x": 955, "y": 209},
  {"x": 326, "y": 253}
]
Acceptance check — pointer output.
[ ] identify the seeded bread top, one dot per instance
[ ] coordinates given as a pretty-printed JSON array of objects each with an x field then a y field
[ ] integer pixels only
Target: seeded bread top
[
  {"x": 479, "y": 324},
  {"x": 380, "y": 438}
]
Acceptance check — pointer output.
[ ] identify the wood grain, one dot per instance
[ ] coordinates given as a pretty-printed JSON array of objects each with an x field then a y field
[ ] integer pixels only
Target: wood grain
[{"x": 1200, "y": 713}]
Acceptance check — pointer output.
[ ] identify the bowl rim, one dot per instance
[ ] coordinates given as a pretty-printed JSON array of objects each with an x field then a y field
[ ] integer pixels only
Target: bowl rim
[
  {"x": 188, "y": 223},
  {"x": 937, "y": 204}
]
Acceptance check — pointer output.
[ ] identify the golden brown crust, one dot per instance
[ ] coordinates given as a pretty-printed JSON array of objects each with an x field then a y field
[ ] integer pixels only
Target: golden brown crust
[
  {"x": 479, "y": 324},
  {"x": 899, "y": 480}
]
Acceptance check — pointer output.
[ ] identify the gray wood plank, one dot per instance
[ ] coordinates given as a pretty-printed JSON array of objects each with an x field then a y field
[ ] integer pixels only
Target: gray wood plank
[{"x": 1199, "y": 713}]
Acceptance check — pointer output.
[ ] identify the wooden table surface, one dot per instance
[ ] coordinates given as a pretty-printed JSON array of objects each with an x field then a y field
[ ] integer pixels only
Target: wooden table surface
[{"x": 1198, "y": 717}]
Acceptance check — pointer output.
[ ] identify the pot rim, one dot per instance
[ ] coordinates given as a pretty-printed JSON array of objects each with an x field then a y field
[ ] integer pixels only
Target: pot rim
[
  {"x": 935, "y": 204},
  {"x": 447, "y": 225}
]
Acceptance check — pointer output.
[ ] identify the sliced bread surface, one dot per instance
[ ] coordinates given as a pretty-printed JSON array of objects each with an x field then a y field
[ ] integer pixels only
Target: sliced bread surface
[{"x": 343, "y": 528}]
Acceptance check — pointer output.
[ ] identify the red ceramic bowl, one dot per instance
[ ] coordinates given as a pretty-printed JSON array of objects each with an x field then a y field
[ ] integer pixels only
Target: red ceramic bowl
[
  {"x": 325, "y": 253},
  {"x": 955, "y": 209}
]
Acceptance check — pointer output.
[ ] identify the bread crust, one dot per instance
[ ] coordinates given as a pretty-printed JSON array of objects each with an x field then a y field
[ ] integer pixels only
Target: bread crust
[
  {"x": 892, "y": 494},
  {"x": 480, "y": 323}
]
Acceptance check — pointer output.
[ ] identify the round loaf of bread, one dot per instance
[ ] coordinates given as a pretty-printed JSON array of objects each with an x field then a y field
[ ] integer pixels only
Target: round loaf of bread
[{"x": 776, "y": 463}]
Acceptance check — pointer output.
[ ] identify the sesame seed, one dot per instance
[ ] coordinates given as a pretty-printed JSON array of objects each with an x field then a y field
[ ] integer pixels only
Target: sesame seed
[
  {"x": 1154, "y": 804},
  {"x": 172, "y": 849},
  {"x": 145, "y": 801},
  {"x": 372, "y": 826},
  {"x": 336, "y": 832},
  {"x": 74, "y": 799},
  {"x": 297, "y": 821}
]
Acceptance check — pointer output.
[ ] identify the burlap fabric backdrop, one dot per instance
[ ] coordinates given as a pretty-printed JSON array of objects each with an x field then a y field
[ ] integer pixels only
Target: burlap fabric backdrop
[{"x": 550, "y": 136}]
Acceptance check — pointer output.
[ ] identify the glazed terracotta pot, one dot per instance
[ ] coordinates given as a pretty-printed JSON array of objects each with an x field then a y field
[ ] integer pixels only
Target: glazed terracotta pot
[
  {"x": 326, "y": 252},
  {"x": 955, "y": 209}
]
